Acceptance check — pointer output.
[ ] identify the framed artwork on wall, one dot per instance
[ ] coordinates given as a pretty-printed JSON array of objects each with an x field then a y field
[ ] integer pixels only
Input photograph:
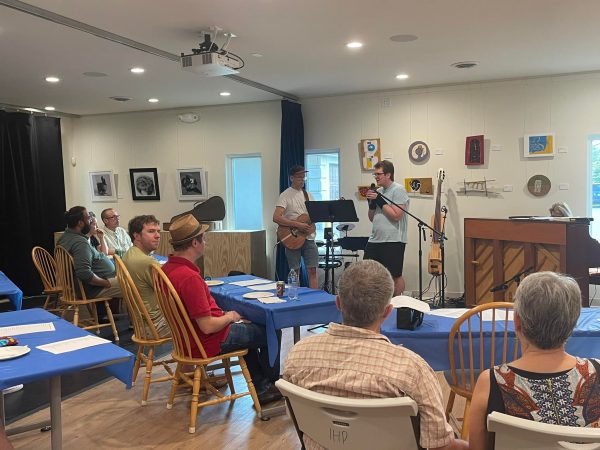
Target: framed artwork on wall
[
  {"x": 474, "y": 153},
  {"x": 370, "y": 153},
  {"x": 144, "y": 184},
  {"x": 538, "y": 145},
  {"x": 191, "y": 184},
  {"x": 103, "y": 187}
]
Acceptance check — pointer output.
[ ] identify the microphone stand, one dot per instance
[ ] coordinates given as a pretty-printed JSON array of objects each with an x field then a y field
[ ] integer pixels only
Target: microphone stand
[
  {"x": 440, "y": 235},
  {"x": 516, "y": 278}
]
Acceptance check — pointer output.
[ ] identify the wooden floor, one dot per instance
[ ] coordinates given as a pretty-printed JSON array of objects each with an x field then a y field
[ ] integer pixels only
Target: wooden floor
[{"x": 110, "y": 417}]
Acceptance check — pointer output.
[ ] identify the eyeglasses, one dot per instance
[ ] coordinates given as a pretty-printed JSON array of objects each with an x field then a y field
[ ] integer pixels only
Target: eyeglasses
[
  {"x": 113, "y": 217},
  {"x": 378, "y": 174}
]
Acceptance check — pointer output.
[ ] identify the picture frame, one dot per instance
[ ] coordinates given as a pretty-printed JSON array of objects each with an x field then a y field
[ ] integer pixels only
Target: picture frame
[
  {"x": 102, "y": 184},
  {"x": 369, "y": 153},
  {"x": 191, "y": 184},
  {"x": 144, "y": 184},
  {"x": 474, "y": 150},
  {"x": 539, "y": 145}
]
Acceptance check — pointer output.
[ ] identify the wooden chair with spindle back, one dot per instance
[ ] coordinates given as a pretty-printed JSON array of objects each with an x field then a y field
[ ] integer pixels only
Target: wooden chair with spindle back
[
  {"x": 45, "y": 264},
  {"x": 145, "y": 334},
  {"x": 183, "y": 334},
  {"x": 474, "y": 350},
  {"x": 74, "y": 296}
]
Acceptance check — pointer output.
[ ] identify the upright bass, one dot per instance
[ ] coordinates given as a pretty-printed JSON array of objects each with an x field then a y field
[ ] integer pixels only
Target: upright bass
[{"x": 435, "y": 254}]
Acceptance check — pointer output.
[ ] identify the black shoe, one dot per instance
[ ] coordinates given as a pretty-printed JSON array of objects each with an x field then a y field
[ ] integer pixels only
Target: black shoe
[
  {"x": 269, "y": 395},
  {"x": 103, "y": 319}
]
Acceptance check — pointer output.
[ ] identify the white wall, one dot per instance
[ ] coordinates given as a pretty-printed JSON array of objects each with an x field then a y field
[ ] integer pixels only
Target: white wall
[{"x": 442, "y": 117}]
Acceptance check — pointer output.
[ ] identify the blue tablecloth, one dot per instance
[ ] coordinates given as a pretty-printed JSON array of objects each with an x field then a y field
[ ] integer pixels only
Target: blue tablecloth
[
  {"x": 39, "y": 364},
  {"x": 430, "y": 340},
  {"x": 314, "y": 307},
  {"x": 10, "y": 290}
]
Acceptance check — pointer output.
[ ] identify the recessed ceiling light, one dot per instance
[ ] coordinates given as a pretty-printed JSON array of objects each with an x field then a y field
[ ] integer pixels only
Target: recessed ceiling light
[
  {"x": 32, "y": 109},
  {"x": 402, "y": 76},
  {"x": 465, "y": 64},
  {"x": 153, "y": 100},
  {"x": 257, "y": 55},
  {"x": 95, "y": 74},
  {"x": 52, "y": 79},
  {"x": 137, "y": 70},
  {"x": 49, "y": 108},
  {"x": 225, "y": 94},
  {"x": 403, "y": 38},
  {"x": 354, "y": 44}
]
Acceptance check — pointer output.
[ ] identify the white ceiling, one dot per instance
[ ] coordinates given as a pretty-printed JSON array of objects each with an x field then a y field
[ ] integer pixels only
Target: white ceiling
[{"x": 302, "y": 43}]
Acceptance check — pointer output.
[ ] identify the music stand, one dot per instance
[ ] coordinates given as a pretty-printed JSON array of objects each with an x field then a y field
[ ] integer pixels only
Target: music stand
[{"x": 331, "y": 211}]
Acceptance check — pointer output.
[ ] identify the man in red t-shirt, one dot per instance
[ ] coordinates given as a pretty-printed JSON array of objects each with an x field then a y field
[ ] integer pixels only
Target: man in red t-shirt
[{"x": 219, "y": 332}]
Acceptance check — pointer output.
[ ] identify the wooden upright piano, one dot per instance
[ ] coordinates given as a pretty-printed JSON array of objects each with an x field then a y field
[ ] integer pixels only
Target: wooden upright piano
[{"x": 498, "y": 249}]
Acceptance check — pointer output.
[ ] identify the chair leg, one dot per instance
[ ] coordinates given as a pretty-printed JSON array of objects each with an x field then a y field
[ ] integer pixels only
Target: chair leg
[
  {"x": 111, "y": 319},
  {"x": 450, "y": 405},
  {"x": 76, "y": 316},
  {"x": 148, "y": 377},
  {"x": 174, "y": 385},
  {"x": 195, "y": 390},
  {"x": 47, "y": 302},
  {"x": 227, "y": 365},
  {"x": 250, "y": 384},
  {"x": 464, "y": 433},
  {"x": 138, "y": 360}
]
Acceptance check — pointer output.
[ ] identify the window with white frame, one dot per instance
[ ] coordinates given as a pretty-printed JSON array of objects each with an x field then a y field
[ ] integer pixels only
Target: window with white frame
[
  {"x": 594, "y": 146},
  {"x": 323, "y": 178},
  {"x": 244, "y": 192}
]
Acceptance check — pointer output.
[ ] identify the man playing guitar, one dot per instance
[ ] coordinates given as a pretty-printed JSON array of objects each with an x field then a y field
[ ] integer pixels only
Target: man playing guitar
[{"x": 295, "y": 231}]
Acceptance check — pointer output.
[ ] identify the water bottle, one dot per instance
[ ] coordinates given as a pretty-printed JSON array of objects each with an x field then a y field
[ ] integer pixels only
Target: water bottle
[{"x": 292, "y": 282}]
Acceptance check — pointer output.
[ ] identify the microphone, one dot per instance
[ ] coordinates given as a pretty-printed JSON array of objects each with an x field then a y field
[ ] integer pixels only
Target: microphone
[
  {"x": 373, "y": 187},
  {"x": 500, "y": 287}
]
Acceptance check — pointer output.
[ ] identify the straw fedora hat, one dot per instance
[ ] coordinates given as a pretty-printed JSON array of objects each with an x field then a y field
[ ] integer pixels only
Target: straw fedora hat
[{"x": 185, "y": 228}]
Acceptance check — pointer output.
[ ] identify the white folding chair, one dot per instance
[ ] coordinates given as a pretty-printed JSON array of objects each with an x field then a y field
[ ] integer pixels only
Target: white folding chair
[
  {"x": 514, "y": 433},
  {"x": 348, "y": 423}
]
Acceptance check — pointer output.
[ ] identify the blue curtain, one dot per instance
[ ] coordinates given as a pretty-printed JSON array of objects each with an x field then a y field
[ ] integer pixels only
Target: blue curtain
[{"x": 292, "y": 153}]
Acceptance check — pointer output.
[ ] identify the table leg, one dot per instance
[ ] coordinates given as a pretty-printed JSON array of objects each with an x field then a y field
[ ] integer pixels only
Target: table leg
[
  {"x": 296, "y": 334},
  {"x": 55, "y": 399}
]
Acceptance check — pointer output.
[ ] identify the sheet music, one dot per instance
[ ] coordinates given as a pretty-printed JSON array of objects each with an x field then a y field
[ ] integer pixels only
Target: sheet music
[
  {"x": 16, "y": 330},
  {"x": 70, "y": 345},
  {"x": 453, "y": 313},
  {"x": 247, "y": 283}
]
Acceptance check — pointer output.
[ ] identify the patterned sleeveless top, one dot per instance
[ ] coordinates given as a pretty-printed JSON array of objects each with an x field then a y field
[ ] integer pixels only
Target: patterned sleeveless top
[{"x": 571, "y": 397}]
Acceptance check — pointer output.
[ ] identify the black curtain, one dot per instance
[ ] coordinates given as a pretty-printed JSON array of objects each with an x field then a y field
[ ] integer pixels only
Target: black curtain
[
  {"x": 292, "y": 153},
  {"x": 32, "y": 193}
]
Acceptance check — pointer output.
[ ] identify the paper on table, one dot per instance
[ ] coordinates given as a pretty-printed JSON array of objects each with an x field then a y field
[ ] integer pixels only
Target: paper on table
[
  {"x": 252, "y": 282},
  {"x": 70, "y": 345},
  {"x": 271, "y": 300},
  {"x": 454, "y": 313},
  {"x": 500, "y": 315},
  {"x": 264, "y": 287},
  {"x": 404, "y": 301},
  {"x": 16, "y": 330}
]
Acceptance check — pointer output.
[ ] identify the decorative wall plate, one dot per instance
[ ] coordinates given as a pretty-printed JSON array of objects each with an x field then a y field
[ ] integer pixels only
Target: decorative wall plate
[
  {"x": 418, "y": 152},
  {"x": 539, "y": 185}
]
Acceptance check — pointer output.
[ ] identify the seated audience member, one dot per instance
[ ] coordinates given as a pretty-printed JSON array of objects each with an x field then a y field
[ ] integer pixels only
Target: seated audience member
[
  {"x": 545, "y": 384},
  {"x": 4, "y": 442},
  {"x": 219, "y": 332},
  {"x": 560, "y": 209},
  {"x": 96, "y": 235},
  {"x": 354, "y": 360},
  {"x": 145, "y": 233},
  {"x": 117, "y": 239},
  {"x": 94, "y": 269}
]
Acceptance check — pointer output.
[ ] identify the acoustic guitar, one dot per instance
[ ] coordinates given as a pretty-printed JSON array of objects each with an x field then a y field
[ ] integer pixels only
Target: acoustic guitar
[
  {"x": 435, "y": 254},
  {"x": 293, "y": 238}
]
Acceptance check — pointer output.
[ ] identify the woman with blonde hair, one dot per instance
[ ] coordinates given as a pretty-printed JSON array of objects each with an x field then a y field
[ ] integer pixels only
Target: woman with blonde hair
[{"x": 545, "y": 384}]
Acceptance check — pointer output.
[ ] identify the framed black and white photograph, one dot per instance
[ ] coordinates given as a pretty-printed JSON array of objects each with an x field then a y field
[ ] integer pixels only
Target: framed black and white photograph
[
  {"x": 103, "y": 187},
  {"x": 144, "y": 184},
  {"x": 191, "y": 184}
]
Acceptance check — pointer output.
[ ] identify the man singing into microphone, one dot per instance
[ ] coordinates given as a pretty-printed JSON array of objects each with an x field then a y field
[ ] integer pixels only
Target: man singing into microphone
[{"x": 388, "y": 238}]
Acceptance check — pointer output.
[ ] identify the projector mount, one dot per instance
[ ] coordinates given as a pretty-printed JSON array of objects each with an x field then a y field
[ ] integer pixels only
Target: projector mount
[{"x": 209, "y": 45}]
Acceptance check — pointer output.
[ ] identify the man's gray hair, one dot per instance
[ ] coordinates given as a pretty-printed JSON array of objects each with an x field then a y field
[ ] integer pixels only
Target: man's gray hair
[
  {"x": 365, "y": 289},
  {"x": 548, "y": 305}
]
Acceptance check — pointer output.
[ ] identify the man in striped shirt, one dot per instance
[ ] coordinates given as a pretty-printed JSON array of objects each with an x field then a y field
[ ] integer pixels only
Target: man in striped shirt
[{"x": 354, "y": 360}]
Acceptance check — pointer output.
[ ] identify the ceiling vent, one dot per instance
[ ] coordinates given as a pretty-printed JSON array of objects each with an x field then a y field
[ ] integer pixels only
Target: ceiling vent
[
  {"x": 465, "y": 64},
  {"x": 119, "y": 98}
]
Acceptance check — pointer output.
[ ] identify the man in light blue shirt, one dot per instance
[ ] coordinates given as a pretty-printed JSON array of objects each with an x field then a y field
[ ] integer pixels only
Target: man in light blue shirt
[{"x": 388, "y": 238}]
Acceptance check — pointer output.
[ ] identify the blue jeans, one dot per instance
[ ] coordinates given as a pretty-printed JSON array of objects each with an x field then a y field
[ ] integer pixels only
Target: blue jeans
[{"x": 254, "y": 338}]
